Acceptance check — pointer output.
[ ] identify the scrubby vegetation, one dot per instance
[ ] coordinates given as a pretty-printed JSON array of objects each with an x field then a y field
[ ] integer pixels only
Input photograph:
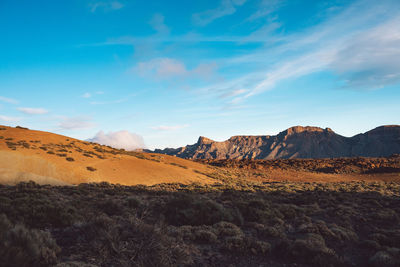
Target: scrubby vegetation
[
  {"x": 242, "y": 224},
  {"x": 356, "y": 165}
]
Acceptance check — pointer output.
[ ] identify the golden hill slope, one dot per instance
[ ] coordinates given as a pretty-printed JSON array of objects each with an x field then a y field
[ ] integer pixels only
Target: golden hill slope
[{"x": 55, "y": 159}]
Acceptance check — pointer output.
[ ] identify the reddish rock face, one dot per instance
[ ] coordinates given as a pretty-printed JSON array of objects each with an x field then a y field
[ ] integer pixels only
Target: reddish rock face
[{"x": 295, "y": 142}]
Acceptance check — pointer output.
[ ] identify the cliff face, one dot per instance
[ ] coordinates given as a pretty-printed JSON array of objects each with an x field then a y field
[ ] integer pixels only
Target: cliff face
[{"x": 295, "y": 142}]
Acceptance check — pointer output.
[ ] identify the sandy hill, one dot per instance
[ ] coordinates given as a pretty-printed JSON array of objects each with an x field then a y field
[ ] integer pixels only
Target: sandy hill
[
  {"x": 295, "y": 142},
  {"x": 55, "y": 159}
]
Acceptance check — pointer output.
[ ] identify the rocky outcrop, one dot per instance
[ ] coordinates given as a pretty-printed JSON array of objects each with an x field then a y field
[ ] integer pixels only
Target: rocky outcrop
[{"x": 295, "y": 142}]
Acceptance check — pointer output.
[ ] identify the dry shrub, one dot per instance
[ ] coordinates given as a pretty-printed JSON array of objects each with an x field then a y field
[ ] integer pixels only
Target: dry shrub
[
  {"x": 185, "y": 209},
  {"x": 20, "y": 246},
  {"x": 133, "y": 202},
  {"x": 225, "y": 229},
  {"x": 131, "y": 242},
  {"x": 205, "y": 236},
  {"x": 388, "y": 258},
  {"x": 344, "y": 235},
  {"x": 311, "y": 248},
  {"x": 110, "y": 207},
  {"x": 256, "y": 210}
]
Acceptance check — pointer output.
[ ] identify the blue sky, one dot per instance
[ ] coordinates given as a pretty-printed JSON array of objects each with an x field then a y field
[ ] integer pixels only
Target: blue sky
[{"x": 161, "y": 73}]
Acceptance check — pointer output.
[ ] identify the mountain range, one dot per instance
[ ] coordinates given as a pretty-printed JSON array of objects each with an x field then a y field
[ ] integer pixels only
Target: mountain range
[{"x": 295, "y": 142}]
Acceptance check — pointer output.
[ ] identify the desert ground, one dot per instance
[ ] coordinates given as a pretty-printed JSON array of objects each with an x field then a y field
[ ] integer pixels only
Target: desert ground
[
  {"x": 54, "y": 159},
  {"x": 66, "y": 202}
]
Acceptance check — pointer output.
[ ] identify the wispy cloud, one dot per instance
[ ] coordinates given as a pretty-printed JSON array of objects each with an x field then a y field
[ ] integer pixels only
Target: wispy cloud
[
  {"x": 75, "y": 123},
  {"x": 165, "y": 68},
  {"x": 8, "y": 100},
  {"x": 233, "y": 93},
  {"x": 90, "y": 94},
  {"x": 225, "y": 8},
  {"x": 117, "y": 101},
  {"x": 33, "y": 111},
  {"x": 105, "y": 6},
  {"x": 87, "y": 95},
  {"x": 266, "y": 8},
  {"x": 161, "y": 67},
  {"x": 370, "y": 59},
  {"x": 120, "y": 139},
  {"x": 169, "y": 127},
  {"x": 360, "y": 45},
  {"x": 9, "y": 119},
  {"x": 157, "y": 22}
]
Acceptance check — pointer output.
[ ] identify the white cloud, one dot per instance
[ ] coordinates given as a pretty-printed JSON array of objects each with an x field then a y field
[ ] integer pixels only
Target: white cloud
[
  {"x": 163, "y": 68},
  {"x": 234, "y": 93},
  {"x": 120, "y": 139},
  {"x": 360, "y": 44},
  {"x": 87, "y": 95},
  {"x": 298, "y": 67},
  {"x": 226, "y": 7},
  {"x": 33, "y": 111},
  {"x": 370, "y": 59},
  {"x": 8, "y": 100},
  {"x": 105, "y": 6},
  {"x": 169, "y": 128},
  {"x": 265, "y": 8},
  {"x": 9, "y": 119},
  {"x": 157, "y": 22},
  {"x": 75, "y": 123}
]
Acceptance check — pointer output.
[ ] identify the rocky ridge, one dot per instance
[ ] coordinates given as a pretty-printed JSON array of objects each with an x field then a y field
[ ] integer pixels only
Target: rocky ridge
[{"x": 295, "y": 142}]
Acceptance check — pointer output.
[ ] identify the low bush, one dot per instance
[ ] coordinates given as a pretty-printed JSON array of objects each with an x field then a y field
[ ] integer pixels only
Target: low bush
[
  {"x": 311, "y": 248},
  {"x": 20, "y": 246},
  {"x": 184, "y": 209}
]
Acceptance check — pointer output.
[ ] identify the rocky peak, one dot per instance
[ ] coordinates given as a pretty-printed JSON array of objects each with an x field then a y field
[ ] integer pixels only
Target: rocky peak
[
  {"x": 300, "y": 129},
  {"x": 204, "y": 141}
]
